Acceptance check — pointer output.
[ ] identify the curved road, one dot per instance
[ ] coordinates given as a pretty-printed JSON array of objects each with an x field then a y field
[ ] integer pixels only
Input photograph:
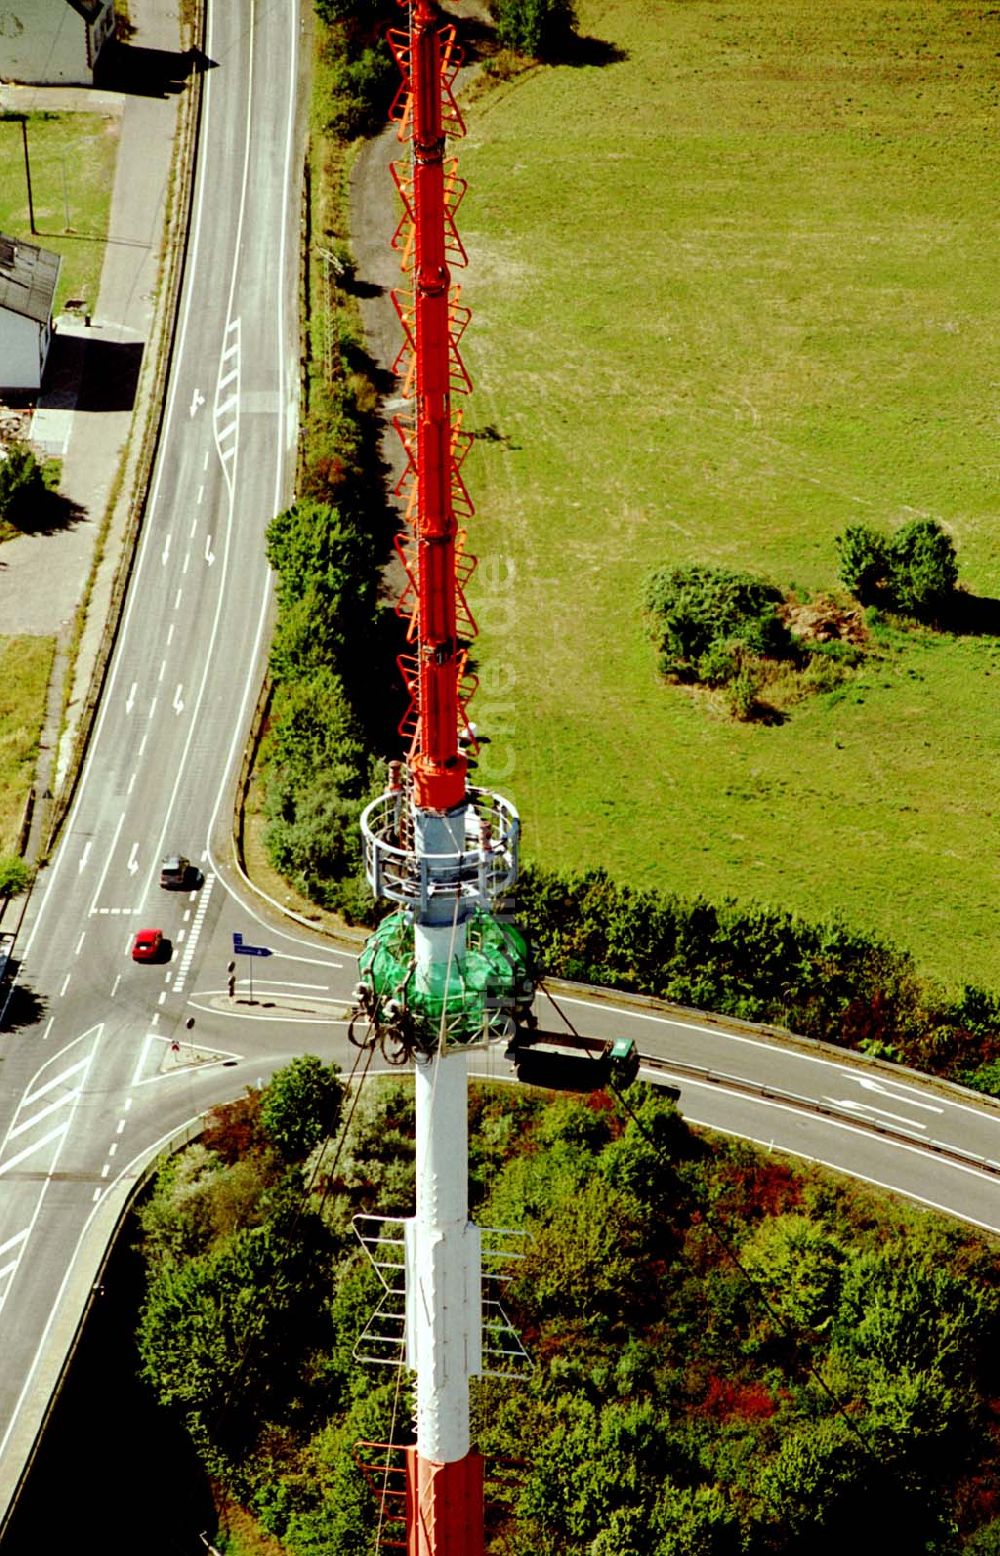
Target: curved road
[{"x": 112, "y": 1069}]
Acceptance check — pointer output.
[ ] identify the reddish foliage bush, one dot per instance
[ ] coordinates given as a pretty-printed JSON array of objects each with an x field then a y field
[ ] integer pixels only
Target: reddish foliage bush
[
  {"x": 751, "y": 1189},
  {"x": 750, "y": 1401},
  {"x": 233, "y": 1129}
]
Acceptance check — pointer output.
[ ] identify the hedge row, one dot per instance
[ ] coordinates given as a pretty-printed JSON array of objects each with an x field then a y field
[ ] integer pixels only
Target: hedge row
[{"x": 824, "y": 980}]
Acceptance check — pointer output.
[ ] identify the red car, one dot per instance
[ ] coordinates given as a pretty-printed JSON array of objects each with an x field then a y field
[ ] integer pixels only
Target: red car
[{"x": 147, "y": 945}]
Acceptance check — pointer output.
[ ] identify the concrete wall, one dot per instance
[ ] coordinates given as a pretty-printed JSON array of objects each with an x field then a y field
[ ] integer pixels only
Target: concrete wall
[{"x": 23, "y": 345}]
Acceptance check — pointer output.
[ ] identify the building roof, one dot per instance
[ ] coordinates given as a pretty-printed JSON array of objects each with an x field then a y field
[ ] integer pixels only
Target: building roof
[
  {"x": 28, "y": 277},
  {"x": 90, "y": 10}
]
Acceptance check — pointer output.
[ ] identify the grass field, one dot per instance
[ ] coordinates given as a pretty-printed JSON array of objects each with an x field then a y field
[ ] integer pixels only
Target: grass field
[
  {"x": 733, "y": 291},
  {"x": 72, "y": 161},
  {"x": 25, "y": 666}
]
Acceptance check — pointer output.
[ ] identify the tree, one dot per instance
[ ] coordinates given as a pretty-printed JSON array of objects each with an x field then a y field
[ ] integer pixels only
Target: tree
[
  {"x": 913, "y": 572},
  {"x": 539, "y": 28},
  {"x": 22, "y": 484},
  {"x": 301, "y": 1106},
  {"x": 798, "y": 1264},
  {"x": 864, "y": 562},
  {"x": 923, "y": 569}
]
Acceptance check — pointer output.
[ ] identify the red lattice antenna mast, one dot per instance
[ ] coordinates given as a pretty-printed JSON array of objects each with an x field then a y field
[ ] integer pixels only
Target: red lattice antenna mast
[{"x": 432, "y": 367}]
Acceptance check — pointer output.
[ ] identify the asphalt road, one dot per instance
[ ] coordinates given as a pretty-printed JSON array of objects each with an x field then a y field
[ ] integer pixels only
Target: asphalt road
[
  {"x": 79, "y": 1093},
  {"x": 113, "y": 1069}
]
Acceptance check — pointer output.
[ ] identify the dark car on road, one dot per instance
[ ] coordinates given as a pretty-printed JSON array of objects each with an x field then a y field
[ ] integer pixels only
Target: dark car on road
[{"x": 175, "y": 872}]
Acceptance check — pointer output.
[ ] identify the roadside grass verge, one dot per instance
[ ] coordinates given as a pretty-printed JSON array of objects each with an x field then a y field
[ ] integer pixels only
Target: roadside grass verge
[
  {"x": 72, "y": 160},
  {"x": 25, "y": 667},
  {"x": 732, "y": 292}
]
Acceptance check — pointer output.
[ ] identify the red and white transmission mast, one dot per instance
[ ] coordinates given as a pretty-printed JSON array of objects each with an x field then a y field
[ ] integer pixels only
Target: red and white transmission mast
[{"x": 442, "y": 971}]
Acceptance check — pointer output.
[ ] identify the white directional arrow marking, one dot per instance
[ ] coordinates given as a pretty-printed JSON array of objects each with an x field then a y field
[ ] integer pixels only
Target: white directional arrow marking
[
  {"x": 133, "y": 863},
  {"x": 83, "y": 856},
  {"x": 209, "y": 553},
  {"x": 197, "y": 400},
  {"x": 166, "y": 551},
  {"x": 866, "y": 1107},
  {"x": 130, "y": 699},
  {"x": 884, "y": 1091},
  {"x": 178, "y": 704}
]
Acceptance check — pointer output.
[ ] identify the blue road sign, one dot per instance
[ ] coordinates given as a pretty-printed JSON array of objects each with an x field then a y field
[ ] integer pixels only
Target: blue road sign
[{"x": 239, "y": 949}]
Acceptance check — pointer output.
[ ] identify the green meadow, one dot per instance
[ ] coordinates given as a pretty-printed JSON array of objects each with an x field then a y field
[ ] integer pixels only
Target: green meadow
[
  {"x": 71, "y": 157},
  {"x": 25, "y": 667},
  {"x": 732, "y": 290}
]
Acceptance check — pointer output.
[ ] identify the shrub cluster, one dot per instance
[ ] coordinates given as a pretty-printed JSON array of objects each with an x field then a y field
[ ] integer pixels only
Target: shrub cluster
[
  {"x": 334, "y": 696},
  {"x": 717, "y": 628},
  {"x": 317, "y": 761},
  {"x": 912, "y": 573},
  {"x": 360, "y": 68},
  {"x": 22, "y": 485},
  {"x": 729, "y": 1354},
  {"x": 823, "y": 980},
  {"x": 539, "y": 28}
]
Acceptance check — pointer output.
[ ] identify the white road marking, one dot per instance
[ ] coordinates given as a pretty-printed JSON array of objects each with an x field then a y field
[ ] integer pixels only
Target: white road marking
[
  {"x": 166, "y": 552},
  {"x": 142, "y": 745},
  {"x": 201, "y": 493},
  {"x": 196, "y": 928},
  {"x": 170, "y": 633},
  {"x": 65, "y": 986},
  {"x": 130, "y": 699},
  {"x": 114, "y": 986},
  {"x": 911, "y": 1097},
  {"x": 13, "y": 1242},
  {"x": 209, "y": 553},
  {"x": 107, "y": 862},
  {"x": 197, "y": 401},
  {"x": 48, "y": 1028},
  {"x": 177, "y": 601},
  {"x": 29, "y": 1150},
  {"x": 178, "y": 704},
  {"x": 79, "y": 943},
  {"x": 84, "y": 856},
  {"x": 314, "y": 961},
  {"x": 50, "y": 1107},
  {"x": 194, "y": 530},
  {"x": 131, "y": 785},
  {"x": 152, "y": 709},
  {"x": 163, "y": 666},
  {"x": 910, "y": 1125},
  {"x": 187, "y": 561},
  {"x": 133, "y": 861}
]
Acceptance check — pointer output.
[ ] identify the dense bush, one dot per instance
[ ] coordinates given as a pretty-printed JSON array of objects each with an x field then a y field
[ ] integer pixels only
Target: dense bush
[
  {"x": 15, "y": 873},
  {"x": 22, "y": 485},
  {"x": 913, "y": 572},
  {"x": 539, "y": 28},
  {"x": 823, "y": 980},
  {"x": 701, "y": 615},
  {"x": 731, "y": 1355}
]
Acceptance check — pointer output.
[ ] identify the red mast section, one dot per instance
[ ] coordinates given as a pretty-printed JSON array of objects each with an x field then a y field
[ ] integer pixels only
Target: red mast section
[{"x": 433, "y": 323}]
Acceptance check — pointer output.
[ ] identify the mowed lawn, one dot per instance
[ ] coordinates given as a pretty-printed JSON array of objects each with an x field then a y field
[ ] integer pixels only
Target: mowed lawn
[
  {"x": 72, "y": 162},
  {"x": 25, "y": 667},
  {"x": 731, "y": 292}
]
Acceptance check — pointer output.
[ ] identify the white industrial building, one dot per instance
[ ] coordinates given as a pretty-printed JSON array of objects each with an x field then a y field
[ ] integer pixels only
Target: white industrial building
[{"x": 28, "y": 277}]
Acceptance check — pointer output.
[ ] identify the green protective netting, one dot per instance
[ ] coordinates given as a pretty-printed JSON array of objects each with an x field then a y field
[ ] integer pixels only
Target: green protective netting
[{"x": 481, "y": 988}]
